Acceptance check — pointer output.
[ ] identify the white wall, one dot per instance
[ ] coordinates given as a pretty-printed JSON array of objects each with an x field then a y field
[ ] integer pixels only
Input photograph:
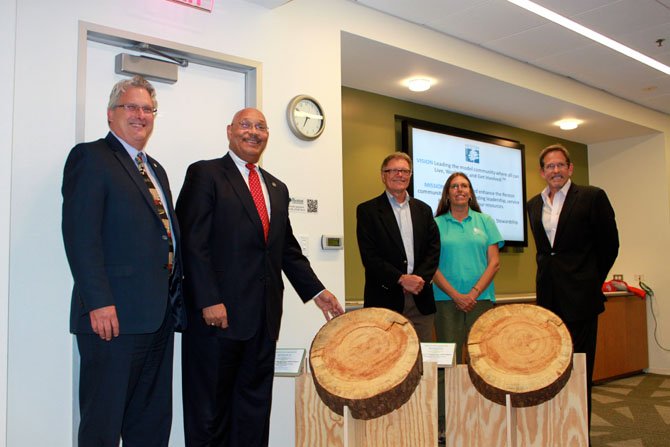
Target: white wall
[
  {"x": 634, "y": 174},
  {"x": 7, "y": 33},
  {"x": 299, "y": 46}
]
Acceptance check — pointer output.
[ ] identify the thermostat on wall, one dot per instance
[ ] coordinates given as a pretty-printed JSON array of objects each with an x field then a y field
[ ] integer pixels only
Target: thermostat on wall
[{"x": 332, "y": 242}]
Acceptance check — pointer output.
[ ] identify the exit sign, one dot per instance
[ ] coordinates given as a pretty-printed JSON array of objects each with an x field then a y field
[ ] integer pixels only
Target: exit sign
[{"x": 207, "y": 5}]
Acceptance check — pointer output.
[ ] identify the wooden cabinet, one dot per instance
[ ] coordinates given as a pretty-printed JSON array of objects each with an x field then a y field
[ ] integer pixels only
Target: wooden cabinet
[{"x": 622, "y": 338}]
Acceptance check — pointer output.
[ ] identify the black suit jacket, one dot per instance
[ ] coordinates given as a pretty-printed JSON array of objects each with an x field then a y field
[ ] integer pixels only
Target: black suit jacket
[
  {"x": 570, "y": 275},
  {"x": 115, "y": 242},
  {"x": 226, "y": 258},
  {"x": 383, "y": 253}
]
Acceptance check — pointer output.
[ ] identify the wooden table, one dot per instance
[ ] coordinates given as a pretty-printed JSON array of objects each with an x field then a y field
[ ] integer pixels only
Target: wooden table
[{"x": 622, "y": 348}]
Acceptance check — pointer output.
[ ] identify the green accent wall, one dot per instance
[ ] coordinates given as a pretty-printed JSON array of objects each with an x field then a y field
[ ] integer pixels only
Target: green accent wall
[{"x": 369, "y": 135}]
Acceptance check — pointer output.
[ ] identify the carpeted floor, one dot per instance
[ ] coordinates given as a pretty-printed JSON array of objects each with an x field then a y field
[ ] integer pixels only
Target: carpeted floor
[{"x": 632, "y": 412}]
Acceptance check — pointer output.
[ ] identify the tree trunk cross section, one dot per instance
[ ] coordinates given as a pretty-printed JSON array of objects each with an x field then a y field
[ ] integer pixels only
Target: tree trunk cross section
[
  {"x": 369, "y": 360},
  {"x": 522, "y": 350}
]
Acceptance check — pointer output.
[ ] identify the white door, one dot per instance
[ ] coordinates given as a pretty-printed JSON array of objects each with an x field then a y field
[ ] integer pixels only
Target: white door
[{"x": 190, "y": 126}]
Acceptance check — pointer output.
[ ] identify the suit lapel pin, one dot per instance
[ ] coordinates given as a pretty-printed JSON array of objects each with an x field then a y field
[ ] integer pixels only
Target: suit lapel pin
[{"x": 274, "y": 185}]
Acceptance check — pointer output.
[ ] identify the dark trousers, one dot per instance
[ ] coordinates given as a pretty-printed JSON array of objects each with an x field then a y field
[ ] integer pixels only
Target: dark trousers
[
  {"x": 584, "y": 334},
  {"x": 424, "y": 325},
  {"x": 227, "y": 389},
  {"x": 125, "y": 389}
]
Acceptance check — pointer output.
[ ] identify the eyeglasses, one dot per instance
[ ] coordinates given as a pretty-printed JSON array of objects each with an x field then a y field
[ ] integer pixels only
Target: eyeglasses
[
  {"x": 247, "y": 125},
  {"x": 552, "y": 166},
  {"x": 397, "y": 171},
  {"x": 134, "y": 108},
  {"x": 455, "y": 186}
]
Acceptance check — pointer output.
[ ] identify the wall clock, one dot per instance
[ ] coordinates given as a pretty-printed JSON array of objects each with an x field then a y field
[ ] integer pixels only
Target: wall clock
[{"x": 305, "y": 117}]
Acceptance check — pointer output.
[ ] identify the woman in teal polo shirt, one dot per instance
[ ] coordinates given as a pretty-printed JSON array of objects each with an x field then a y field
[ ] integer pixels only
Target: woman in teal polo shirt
[{"x": 469, "y": 259}]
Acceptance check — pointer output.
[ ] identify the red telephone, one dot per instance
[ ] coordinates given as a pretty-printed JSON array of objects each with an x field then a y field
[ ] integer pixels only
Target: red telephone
[{"x": 616, "y": 285}]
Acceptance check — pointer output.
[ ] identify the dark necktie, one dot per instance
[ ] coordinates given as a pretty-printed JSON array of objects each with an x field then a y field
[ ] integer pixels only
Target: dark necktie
[
  {"x": 259, "y": 200},
  {"x": 160, "y": 209}
]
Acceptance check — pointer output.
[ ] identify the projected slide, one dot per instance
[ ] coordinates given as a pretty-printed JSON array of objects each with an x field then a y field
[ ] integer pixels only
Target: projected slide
[{"x": 495, "y": 172}]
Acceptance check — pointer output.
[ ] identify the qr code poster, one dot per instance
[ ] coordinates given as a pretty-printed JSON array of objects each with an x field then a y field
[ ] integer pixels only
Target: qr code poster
[{"x": 302, "y": 205}]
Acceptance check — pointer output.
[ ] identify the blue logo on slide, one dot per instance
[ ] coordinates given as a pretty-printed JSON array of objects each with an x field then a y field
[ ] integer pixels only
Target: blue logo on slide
[{"x": 472, "y": 154}]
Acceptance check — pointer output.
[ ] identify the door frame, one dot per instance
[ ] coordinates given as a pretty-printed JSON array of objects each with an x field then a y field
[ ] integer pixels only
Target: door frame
[{"x": 251, "y": 69}]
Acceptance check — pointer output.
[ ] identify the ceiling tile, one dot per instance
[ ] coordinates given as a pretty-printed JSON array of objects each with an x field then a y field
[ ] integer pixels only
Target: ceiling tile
[
  {"x": 569, "y": 8},
  {"x": 644, "y": 40},
  {"x": 421, "y": 12},
  {"x": 486, "y": 22},
  {"x": 625, "y": 15},
  {"x": 538, "y": 42},
  {"x": 596, "y": 67}
]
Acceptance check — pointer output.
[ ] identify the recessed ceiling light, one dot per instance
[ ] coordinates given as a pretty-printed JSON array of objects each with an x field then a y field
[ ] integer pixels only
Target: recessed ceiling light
[
  {"x": 568, "y": 124},
  {"x": 589, "y": 33},
  {"x": 419, "y": 84}
]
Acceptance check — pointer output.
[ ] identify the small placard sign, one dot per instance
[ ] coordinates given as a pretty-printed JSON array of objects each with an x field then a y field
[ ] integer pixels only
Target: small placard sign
[
  {"x": 207, "y": 5},
  {"x": 303, "y": 205},
  {"x": 289, "y": 362},
  {"x": 440, "y": 353}
]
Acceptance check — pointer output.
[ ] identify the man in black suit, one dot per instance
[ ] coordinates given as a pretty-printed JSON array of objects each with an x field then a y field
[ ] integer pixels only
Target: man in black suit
[
  {"x": 122, "y": 243},
  {"x": 237, "y": 240},
  {"x": 577, "y": 242},
  {"x": 400, "y": 248}
]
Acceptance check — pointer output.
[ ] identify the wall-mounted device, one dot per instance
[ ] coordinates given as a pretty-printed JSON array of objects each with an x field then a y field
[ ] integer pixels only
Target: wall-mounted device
[
  {"x": 152, "y": 69},
  {"x": 330, "y": 242}
]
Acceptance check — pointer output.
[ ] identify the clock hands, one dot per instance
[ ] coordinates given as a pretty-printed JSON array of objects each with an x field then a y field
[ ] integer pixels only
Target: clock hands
[{"x": 303, "y": 114}]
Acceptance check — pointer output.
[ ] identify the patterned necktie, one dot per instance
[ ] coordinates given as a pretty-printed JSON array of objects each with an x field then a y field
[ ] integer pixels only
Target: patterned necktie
[
  {"x": 259, "y": 200},
  {"x": 160, "y": 209}
]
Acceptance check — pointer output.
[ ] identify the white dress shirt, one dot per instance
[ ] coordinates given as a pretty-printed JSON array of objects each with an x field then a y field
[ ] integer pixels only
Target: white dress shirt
[{"x": 551, "y": 210}]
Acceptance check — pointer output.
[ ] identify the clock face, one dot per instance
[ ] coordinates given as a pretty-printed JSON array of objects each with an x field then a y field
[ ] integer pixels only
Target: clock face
[{"x": 306, "y": 117}]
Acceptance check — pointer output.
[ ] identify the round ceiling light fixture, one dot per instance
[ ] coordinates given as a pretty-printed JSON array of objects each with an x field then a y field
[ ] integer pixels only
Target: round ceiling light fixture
[
  {"x": 568, "y": 124},
  {"x": 419, "y": 84}
]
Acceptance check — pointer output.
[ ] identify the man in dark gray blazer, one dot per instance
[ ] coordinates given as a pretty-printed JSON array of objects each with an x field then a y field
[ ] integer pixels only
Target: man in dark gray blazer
[
  {"x": 122, "y": 243},
  {"x": 577, "y": 243},
  {"x": 234, "y": 256},
  {"x": 400, "y": 248}
]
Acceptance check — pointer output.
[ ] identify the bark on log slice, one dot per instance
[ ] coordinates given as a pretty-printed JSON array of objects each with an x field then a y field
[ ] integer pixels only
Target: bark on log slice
[
  {"x": 522, "y": 350},
  {"x": 368, "y": 359}
]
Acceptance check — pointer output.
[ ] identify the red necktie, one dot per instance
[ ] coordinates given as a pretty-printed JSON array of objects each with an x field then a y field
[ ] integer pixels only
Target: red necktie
[{"x": 259, "y": 200}]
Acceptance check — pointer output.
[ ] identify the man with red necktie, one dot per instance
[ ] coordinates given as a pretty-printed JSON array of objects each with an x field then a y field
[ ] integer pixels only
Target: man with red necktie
[{"x": 237, "y": 240}]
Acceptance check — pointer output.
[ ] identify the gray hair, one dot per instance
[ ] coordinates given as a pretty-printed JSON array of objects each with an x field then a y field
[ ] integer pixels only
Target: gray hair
[{"x": 136, "y": 81}]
